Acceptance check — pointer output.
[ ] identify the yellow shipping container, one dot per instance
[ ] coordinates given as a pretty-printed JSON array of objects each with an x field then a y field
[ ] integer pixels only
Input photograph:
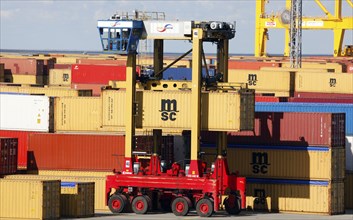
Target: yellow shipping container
[
  {"x": 71, "y": 173},
  {"x": 66, "y": 60},
  {"x": 113, "y": 111},
  {"x": 171, "y": 110},
  {"x": 24, "y": 79},
  {"x": 304, "y": 196},
  {"x": 348, "y": 186},
  {"x": 29, "y": 199},
  {"x": 77, "y": 199},
  {"x": 324, "y": 82},
  {"x": 288, "y": 162},
  {"x": 330, "y": 67},
  {"x": 294, "y": 69},
  {"x": 48, "y": 91},
  {"x": 77, "y": 114},
  {"x": 60, "y": 77},
  {"x": 278, "y": 83},
  {"x": 99, "y": 183}
]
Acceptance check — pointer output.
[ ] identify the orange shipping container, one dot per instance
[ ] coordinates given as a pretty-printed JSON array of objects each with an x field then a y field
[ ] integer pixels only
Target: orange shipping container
[{"x": 76, "y": 152}]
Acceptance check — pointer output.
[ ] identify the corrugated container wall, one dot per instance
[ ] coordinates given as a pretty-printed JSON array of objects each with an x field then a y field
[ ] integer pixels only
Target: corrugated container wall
[
  {"x": 77, "y": 114},
  {"x": 264, "y": 82},
  {"x": 349, "y": 153},
  {"x": 348, "y": 187},
  {"x": 101, "y": 62},
  {"x": 310, "y": 107},
  {"x": 285, "y": 162},
  {"x": 24, "y": 112},
  {"x": 305, "y": 196},
  {"x": 52, "y": 92},
  {"x": 27, "y": 66},
  {"x": 77, "y": 199},
  {"x": 290, "y": 129},
  {"x": 250, "y": 65},
  {"x": 324, "y": 82},
  {"x": 97, "y": 74},
  {"x": 60, "y": 77},
  {"x": 318, "y": 107},
  {"x": 76, "y": 152},
  {"x": 96, "y": 88},
  {"x": 29, "y": 199},
  {"x": 226, "y": 113},
  {"x": 8, "y": 155},
  {"x": 24, "y": 79},
  {"x": 331, "y": 67},
  {"x": 23, "y": 140},
  {"x": 68, "y": 176}
]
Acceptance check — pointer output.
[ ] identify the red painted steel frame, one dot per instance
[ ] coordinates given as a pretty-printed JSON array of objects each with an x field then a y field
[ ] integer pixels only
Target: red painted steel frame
[{"x": 215, "y": 183}]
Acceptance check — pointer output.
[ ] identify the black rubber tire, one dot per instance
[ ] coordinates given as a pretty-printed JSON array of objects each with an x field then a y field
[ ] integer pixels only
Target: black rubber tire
[
  {"x": 116, "y": 203},
  {"x": 180, "y": 206},
  {"x": 204, "y": 207},
  {"x": 233, "y": 209},
  {"x": 149, "y": 202},
  {"x": 140, "y": 205}
]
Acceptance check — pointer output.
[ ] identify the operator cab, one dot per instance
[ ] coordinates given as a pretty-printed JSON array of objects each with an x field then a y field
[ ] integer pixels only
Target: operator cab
[{"x": 120, "y": 34}]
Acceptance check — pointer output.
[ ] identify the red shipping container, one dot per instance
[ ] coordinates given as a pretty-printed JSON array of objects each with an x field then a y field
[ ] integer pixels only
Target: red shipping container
[
  {"x": 62, "y": 66},
  {"x": 290, "y": 129},
  {"x": 87, "y": 152},
  {"x": 250, "y": 64},
  {"x": 8, "y": 155},
  {"x": 97, "y": 74},
  {"x": 270, "y": 99},
  {"x": 322, "y": 95},
  {"x": 23, "y": 140},
  {"x": 96, "y": 88},
  {"x": 27, "y": 66},
  {"x": 102, "y": 62}
]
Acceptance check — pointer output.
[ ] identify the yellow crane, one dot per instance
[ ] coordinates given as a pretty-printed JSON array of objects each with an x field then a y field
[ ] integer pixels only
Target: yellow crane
[{"x": 335, "y": 22}]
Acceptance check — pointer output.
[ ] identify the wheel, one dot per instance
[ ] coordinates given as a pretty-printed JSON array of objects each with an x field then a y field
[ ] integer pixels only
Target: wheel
[
  {"x": 117, "y": 203},
  {"x": 140, "y": 205},
  {"x": 232, "y": 205},
  {"x": 180, "y": 206},
  {"x": 204, "y": 207},
  {"x": 149, "y": 202}
]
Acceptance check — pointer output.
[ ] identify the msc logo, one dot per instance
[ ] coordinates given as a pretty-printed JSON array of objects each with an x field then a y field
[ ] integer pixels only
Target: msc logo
[
  {"x": 66, "y": 77},
  {"x": 333, "y": 82},
  {"x": 259, "y": 162},
  {"x": 252, "y": 79},
  {"x": 260, "y": 195},
  {"x": 168, "y": 109}
]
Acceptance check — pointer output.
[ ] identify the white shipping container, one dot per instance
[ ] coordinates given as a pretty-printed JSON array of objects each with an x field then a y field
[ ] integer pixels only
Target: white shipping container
[
  {"x": 349, "y": 152},
  {"x": 24, "y": 112}
]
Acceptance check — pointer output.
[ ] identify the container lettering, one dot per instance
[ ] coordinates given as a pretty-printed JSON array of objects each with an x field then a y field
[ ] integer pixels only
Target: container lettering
[
  {"x": 168, "y": 109},
  {"x": 252, "y": 79},
  {"x": 259, "y": 162}
]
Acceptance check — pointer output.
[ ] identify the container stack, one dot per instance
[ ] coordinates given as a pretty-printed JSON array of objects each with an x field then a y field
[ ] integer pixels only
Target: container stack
[
  {"x": 24, "y": 71},
  {"x": 8, "y": 156},
  {"x": 299, "y": 158},
  {"x": 286, "y": 151}
]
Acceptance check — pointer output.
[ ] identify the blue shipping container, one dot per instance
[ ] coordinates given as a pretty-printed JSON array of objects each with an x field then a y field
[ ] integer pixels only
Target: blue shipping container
[
  {"x": 310, "y": 107},
  {"x": 183, "y": 73}
]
